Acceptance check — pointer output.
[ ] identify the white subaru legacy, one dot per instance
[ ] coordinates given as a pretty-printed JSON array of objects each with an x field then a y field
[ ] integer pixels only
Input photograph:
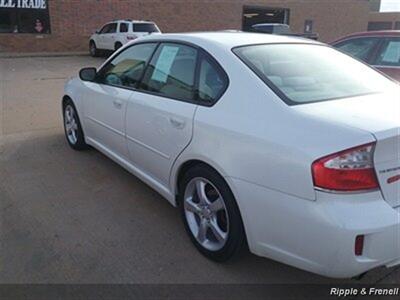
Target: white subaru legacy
[{"x": 278, "y": 144}]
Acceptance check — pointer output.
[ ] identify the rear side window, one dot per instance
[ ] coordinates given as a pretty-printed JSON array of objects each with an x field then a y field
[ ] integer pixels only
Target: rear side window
[
  {"x": 145, "y": 27},
  {"x": 360, "y": 48},
  {"x": 123, "y": 27},
  {"x": 305, "y": 73},
  {"x": 389, "y": 55},
  {"x": 212, "y": 81},
  {"x": 171, "y": 73}
]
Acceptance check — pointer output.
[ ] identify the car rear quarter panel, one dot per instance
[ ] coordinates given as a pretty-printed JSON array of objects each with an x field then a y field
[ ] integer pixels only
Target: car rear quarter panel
[{"x": 252, "y": 135}]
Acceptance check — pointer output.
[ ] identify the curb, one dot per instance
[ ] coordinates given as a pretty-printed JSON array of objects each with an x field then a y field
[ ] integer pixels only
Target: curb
[{"x": 41, "y": 54}]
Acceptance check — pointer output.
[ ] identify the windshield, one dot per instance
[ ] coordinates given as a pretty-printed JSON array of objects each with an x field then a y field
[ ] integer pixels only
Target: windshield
[
  {"x": 145, "y": 27},
  {"x": 304, "y": 73}
]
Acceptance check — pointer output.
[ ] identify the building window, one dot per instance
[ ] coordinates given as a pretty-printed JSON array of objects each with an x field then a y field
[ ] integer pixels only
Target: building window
[
  {"x": 372, "y": 26},
  {"x": 308, "y": 26},
  {"x": 24, "y": 17},
  {"x": 6, "y": 20},
  {"x": 255, "y": 15},
  {"x": 397, "y": 26}
]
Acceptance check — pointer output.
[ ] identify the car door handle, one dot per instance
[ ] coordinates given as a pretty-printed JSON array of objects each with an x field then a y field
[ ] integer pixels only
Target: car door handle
[
  {"x": 117, "y": 104},
  {"x": 177, "y": 123}
]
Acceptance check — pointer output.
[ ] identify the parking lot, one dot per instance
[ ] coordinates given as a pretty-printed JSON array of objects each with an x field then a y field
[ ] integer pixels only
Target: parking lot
[{"x": 69, "y": 217}]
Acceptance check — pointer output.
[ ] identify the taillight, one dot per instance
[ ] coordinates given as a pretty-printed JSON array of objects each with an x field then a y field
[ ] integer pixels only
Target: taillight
[
  {"x": 131, "y": 37},
  {"x": 349, "y": 170}
]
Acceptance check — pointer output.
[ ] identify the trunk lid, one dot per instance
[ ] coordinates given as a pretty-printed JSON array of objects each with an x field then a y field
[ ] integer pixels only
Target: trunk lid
[
  {"x": 387, "y": 164},
  {"x": 378, "y": 114}
]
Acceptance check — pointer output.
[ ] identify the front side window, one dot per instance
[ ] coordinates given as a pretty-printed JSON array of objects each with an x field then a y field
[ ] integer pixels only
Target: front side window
[
  {"x": 33, "y": 22},
  {"x": 304, "y": 73},
  {"x": 127, "y": 68},
  {"x": 105, "y": 28},
  {"x": 171, "y": 73},
  {"x": 212, "y": 81},
  {"x": 360, "y": 48},
  {"x": 112, "y": 28},
  {"x": 389, "y": 54}
]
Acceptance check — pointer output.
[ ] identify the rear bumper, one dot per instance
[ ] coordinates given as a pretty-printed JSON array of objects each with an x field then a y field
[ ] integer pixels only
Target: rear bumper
[{"x": 319, "y": 236}]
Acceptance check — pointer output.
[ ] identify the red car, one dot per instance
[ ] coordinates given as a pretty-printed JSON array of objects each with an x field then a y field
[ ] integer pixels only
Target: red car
[{"x": 380, "y": 49}]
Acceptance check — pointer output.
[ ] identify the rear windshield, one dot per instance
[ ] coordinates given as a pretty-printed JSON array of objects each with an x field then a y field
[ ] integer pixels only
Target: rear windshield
[
  {"x": 304, "y": 73},
  {"x": 145, "y": 27}
]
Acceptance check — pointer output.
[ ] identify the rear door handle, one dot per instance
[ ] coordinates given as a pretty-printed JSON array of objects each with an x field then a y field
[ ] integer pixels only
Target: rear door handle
[
  {"x": 177, "y": 123},
  {"x": 117, "y": 104}
]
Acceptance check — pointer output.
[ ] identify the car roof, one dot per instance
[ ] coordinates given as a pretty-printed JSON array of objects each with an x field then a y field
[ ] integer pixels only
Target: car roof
[
  {"x": 271, "y": 24},
  {"x": 229, "y": 39},
  {"x": 380, "y": 33},
  {"x": 133, "y": 21}
]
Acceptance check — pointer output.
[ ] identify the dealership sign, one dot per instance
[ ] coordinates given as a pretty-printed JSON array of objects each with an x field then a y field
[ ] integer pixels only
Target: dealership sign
[{"x": 24, "y": 4}]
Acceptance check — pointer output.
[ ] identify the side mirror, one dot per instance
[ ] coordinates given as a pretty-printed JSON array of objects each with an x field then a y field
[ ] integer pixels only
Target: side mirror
[
  {"x": 88, "y": 74},
  {"x": 97, "y": 31}
]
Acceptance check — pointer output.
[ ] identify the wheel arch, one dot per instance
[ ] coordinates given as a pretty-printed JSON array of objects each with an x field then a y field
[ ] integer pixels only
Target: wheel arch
[
  {"x": 191, "y": 163},
  {"x": 76, "y": 103},
  {"x": 65, "y": 98},
  {"x": 187, "y": 165},
  {"x": 80, "y": 143}
]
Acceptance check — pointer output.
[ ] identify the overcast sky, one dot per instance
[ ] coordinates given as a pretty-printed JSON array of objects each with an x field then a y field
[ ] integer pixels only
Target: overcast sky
[{"x": 390, "y": 5}]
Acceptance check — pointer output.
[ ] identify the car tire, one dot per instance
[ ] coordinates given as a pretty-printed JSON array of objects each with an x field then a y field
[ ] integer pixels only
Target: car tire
[
  {"x": 215, "y": 228},
  {"x": 117, "y": 46},
  {"x": 94, "y": 52},
  {"x": 72, "y": 127}
]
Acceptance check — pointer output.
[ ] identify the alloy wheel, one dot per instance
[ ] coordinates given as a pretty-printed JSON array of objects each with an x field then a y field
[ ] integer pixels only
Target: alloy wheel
[
  {"x": 92, "y": 49},
  {"x": 71, "y": 124},
  {"x": 206, "y": 214}
]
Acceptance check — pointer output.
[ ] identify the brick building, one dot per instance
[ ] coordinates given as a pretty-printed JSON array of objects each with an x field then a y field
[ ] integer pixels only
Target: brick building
[
  {"x": 384, "y": 21},
  {"x": 65, "y": 25}
]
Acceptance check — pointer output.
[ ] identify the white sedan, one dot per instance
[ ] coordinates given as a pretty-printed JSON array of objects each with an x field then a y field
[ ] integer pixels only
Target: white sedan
[{"x": 282, "y": 145}]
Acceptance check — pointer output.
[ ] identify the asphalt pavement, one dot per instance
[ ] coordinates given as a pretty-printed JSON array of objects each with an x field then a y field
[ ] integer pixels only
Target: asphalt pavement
[{"x": 77, "y": 217}]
